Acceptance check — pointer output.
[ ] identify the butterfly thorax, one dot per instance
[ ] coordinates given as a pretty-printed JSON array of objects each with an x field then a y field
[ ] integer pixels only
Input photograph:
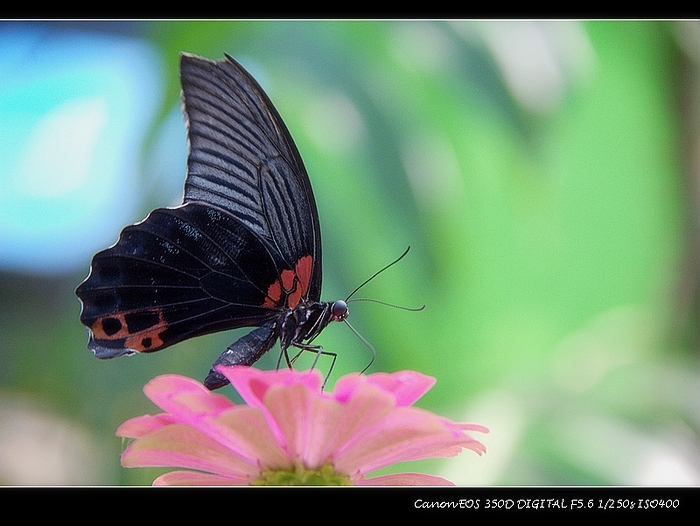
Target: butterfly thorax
[{"x": 306, "y": 321}]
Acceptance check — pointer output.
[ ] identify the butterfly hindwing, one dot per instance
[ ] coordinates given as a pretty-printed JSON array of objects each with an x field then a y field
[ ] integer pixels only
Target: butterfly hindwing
[{"x": 180, "y": 273}]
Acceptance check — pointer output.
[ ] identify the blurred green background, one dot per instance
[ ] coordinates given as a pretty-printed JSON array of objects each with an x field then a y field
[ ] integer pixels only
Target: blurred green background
[{"x": 545, "y": 175}]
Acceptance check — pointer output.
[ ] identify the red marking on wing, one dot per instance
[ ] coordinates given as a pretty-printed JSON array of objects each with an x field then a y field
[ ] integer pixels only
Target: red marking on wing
[
  {"x": 303, "y": 275},
  {"x": 291, "y": 286},
  {"x": 304, "y": 268},
  {"x": 274, "y": 295},
  {"x": 140, "y": 341},
  {"x": 287, "y": 279}
]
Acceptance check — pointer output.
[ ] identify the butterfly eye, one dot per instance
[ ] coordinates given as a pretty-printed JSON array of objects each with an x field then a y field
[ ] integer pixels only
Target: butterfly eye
[{"x": 339, "y": 310}]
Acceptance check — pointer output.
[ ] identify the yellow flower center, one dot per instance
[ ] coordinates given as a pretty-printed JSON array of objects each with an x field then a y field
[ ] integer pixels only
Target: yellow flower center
[{"x": 301, "y": 476}]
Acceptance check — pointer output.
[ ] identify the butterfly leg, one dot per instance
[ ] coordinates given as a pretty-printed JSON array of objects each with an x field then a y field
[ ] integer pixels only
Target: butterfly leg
[
  {"x": 284, "y": 353},
  {"x": 245, "y": 351},
  {"x": 318, "y": 350}
]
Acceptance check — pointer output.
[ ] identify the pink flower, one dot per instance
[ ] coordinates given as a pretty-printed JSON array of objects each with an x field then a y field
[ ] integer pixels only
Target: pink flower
[{"x": 291, "y": 432}]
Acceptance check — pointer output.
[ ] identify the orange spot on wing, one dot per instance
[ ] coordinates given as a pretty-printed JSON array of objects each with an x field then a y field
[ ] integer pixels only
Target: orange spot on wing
[
  {"x": 152, "y": 336},
  {"x": 116, "y": 327}
]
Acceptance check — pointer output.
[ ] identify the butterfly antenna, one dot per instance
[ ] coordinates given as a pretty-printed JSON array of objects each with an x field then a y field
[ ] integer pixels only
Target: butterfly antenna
[
  {"x": 377, "y": 273},
  {"x": 412, "y": 309},
  {"x": 363, "y": 340}
]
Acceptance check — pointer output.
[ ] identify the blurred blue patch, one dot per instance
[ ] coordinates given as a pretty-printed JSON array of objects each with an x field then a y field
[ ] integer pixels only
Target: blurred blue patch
[
  {"x": 74, "y": 111},
  {"x": 167, "y": 160}
]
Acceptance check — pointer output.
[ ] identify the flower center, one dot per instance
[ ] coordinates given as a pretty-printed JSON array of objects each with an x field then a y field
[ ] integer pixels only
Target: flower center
[{"x": 302, "y": 476}]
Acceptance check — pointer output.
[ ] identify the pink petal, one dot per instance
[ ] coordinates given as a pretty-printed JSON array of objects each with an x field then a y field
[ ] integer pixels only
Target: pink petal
[
  {"x": 179, "y": 445},
  {"x": 306, "y": 422},
  {"x": 194, "y": 478},
  {"x": 406, "y": 433},
  {"x": 185, "y": 398},
  {"x": 246, "y": 431},
  {"x": 315, "y": 428},
  {"x": 403, "y": 479},
  {"x": 243, "y": 431},
  {"x": 142, "y": 425},
  {"x": 406, "y": 386},
  {"x": 358, "y": 417},
  {"x": 252, "y": 384},
  {"x": 474, "y": 427}
]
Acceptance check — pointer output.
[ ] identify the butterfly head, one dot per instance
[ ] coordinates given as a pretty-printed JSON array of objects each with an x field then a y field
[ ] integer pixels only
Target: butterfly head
[{"x": 339, "y": 311}]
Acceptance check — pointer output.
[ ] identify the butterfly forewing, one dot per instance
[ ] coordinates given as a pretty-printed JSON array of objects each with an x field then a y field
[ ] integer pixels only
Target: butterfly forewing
[{"x": 242, "y": 159}]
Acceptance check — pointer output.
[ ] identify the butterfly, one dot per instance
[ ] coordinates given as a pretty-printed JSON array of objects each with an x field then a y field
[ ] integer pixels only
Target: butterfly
[{"x": 242, "y": 250}]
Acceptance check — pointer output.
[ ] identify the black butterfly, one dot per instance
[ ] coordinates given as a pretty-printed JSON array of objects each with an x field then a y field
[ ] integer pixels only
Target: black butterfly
[{"x": 244, "y": 248}]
